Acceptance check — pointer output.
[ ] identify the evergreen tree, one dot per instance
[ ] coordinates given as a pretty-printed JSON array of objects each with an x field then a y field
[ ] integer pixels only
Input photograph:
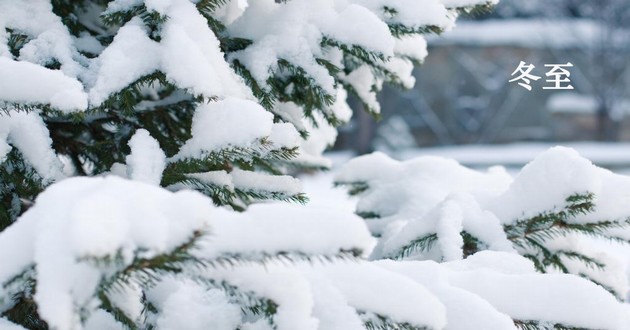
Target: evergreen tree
[
  {"x": 223, "y": 97},
  {"x": 142, "y": 101},
  {"x": 91, "y": 73}
]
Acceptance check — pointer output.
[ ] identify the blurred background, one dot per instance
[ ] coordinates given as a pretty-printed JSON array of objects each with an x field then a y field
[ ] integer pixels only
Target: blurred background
[{"x": 463, "y": 104}]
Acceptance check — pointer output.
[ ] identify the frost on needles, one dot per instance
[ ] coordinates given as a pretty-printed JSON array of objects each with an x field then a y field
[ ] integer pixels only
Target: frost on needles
[{"x": 132, "y": 131}]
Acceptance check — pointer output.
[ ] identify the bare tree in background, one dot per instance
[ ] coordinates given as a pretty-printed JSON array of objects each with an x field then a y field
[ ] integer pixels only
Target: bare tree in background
[
  {"x": 608, "y": 52},
  {"x": 611, "y": 58}
]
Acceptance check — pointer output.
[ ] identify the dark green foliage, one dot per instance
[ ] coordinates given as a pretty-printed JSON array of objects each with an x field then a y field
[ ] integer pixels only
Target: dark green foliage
[
  {"x": 530, "y": 236},
  {"x": 24, "y": 309},
  {"x": 418, "y": 245},
  {"x": 19, "y": 185},
  {"x": 373, "y": 321},
  {"x": 535, "y": 325}
]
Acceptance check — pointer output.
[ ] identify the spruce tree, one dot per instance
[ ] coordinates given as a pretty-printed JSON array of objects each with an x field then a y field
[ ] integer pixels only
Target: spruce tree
[
  {"x": 223, "y": 97},
  {"x": 140, "y": 102},
  {"x": 91, "y": 73}
]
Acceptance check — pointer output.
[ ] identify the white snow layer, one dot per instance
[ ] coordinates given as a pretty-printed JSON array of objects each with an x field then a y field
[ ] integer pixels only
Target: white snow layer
[
  {"x": 146, "y": 161},
  {"x": 432, "y": 195},
  {"x": 188, "y": 54},
  {"x": 228, "y": 123},
  {"x": 82, "y": 218},
  {"x": 28, "y": 133},
  {"x": 25, "y": 82},
  {"x": 79, "y": 219}
]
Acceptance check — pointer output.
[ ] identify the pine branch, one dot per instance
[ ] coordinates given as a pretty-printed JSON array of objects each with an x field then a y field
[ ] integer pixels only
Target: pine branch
[
  {"x": 22, "y": 309},
  {"x": 399, "y": 30},
  {"x": 16, "y": 41},
  {"x": 538, "y": 325},
  {"x": 228, "y": 260},
  {"x": 354, "y": 188},
  {"x": 373, "y": 321},
  {"x": 252, "y": 305},
  {"x": 265, "y": 97},
  {"x": 364, "y": 55},
  {"x": 418, "y": 245}
]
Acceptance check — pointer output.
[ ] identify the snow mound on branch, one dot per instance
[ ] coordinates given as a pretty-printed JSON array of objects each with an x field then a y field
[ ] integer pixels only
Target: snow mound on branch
[
  {"x": 465, "y": 3},
  {"x": 24, "y": 82},
  {"x": 293, "y": 31},
  {"x": 49, "y": 39},
  {"x": 349, "y": 287},
  {"x": 276, "y": 228},
  {"x": 406, "y": 190},
  {"x": 83, "y": 218},
  {"x": 232, "y": 122},
  {"x": 184, "y": 304},
  {"x": 412, "y": 13},
  {"x": 487, "y": 291},
  {"x": 188, "y": 54},
  {"x": 29, "y": 134},
  {"x": 78, "y": 221},
  {"x": 495, "y": 285},
  {"x": 553, "y": 176},
  {"x": 7, "y": 325},
  {"x": 146, "y": 161},
  {"x": 430, "y": 201}
]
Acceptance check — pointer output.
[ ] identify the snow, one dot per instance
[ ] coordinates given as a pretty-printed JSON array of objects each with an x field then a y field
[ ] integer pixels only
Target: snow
[
  {"x": 49, "y": 38},
  {"x": 318, "y": 262},
  {"x": 217, "y": 178},
  {"x": 28, "y": 133},
  {"x": 93, "y": 217},
  {"x": 146, "y": 161},
  {"x": 102, "y": 320},
  {"x": 292, "y": 31},
  {"x": 8, "y": 325},
  {"x": 274, "y": 228},
  {"x": 184, "y": 304},
  {"x": 284, "y": 135},
  {"x": 363, "y": 81},
  {"x": 430, "y": 195},
  {"x": 396, "y": 185},
  {"x": 465, "y": 3},
  {"x": 89, "y": 44},
  {"x": 98, "y": 217},
  {"x": 227, "y": 123},
  {"x": 567, "y": 102},
  {"x": 413, "y": 46},
  {"x": 413, "y": 14},
  {"x": 122, "y": 5},
  {"x": 555, "y": 298},
  {"x": 191, "y": 57},
  {"x": 582, "y": 303},
  {"x": 28, "y": 83},
  {"x": 188, "y": 54},
  {"x": 261, "y": 182},
  {"x": 322, "y": 135},
  {"x": 129, "y": 57},
  {"x": 554, "y": 175}
]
